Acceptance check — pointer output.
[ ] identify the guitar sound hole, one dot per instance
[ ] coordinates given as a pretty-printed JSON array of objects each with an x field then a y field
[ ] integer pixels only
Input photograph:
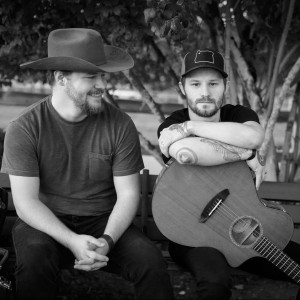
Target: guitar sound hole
[{"x": 245, "y": 231}]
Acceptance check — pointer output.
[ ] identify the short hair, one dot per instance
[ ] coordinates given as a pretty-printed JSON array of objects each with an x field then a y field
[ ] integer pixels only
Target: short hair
[{"x": 51, "y": 78}]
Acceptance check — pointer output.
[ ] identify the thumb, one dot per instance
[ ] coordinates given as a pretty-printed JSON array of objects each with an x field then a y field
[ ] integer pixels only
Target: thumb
[
  {"x": 258, "y": 181},
  {"x": 94, "y": 243}
]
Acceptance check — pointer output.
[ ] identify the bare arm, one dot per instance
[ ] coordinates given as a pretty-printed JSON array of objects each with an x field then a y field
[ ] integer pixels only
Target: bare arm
[
  {"x": 206, "y": 152},
  {"x": 248, "y": 135},
  {"x": 25, "y": 192},
  {"x": 128, "y": 196},
  {"x": 122, "y": 215}
]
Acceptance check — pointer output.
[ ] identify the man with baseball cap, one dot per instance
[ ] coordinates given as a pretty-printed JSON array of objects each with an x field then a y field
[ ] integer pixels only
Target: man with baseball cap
[
  {"x": 73, "y": 162},
  {"x": 208, "y": 133}
]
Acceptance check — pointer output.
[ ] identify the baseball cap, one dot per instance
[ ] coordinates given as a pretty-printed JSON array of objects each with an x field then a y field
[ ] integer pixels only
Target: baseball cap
[{"x": 206, "y": 58}]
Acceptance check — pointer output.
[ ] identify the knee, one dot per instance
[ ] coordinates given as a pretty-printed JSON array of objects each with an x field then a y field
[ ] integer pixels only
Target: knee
[
  {"x": 36, "y": 254},
  {"x": 150, "y": 263}
]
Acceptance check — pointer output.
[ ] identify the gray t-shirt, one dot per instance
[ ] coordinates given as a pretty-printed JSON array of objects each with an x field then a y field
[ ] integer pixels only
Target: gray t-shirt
[{"x": 75, "y": 161}]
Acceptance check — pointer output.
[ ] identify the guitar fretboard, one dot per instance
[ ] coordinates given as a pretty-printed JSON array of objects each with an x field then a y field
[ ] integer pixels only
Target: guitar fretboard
[{"x": 271, "y": 252}]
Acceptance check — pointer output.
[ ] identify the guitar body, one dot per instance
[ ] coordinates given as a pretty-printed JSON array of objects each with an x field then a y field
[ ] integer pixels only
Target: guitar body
[{"x": 185, "y": 213}]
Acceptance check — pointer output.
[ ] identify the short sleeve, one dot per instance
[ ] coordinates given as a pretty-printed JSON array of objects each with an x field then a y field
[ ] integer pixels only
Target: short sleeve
[
  {"x": 238, "y": 114},
  {"x": 19, "y": 157},
  {"x": 127, "y": 157}
]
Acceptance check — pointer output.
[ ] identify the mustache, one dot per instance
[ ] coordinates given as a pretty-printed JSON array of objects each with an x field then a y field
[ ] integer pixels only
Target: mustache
[
  {"x": 205, "y": 99},
  {"x": 96, "y": 91}
]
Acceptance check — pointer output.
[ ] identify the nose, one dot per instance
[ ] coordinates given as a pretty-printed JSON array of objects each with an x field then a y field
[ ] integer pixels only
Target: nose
[{"x": 204, "y": 90}]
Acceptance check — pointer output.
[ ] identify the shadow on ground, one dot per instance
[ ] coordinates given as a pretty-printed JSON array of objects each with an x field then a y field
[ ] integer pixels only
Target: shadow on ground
[{"x": 98, "y": 285}]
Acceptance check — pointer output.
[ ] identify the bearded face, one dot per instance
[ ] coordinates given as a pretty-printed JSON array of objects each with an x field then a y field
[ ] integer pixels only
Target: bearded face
[
  {"x": 89, "y": 102},
  {"x": 205, "y": 90}
]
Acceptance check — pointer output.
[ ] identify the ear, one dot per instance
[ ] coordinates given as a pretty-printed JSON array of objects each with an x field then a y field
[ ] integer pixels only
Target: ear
[
  {"x": 59, "y": 78},
  {"x": 181, "y": 88}
]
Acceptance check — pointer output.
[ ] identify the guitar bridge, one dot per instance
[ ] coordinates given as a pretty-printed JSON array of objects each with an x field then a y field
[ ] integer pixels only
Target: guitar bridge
[{"x": 213, "y": 205}]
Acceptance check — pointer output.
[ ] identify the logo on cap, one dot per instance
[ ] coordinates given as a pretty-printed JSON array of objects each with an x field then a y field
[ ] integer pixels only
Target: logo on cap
[{"x": 204, "y": 56}]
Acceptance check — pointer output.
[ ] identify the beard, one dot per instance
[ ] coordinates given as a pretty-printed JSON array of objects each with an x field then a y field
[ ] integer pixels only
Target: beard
[
  {"x": 81, "y": 101},
  {"x": 206, "y": 113}
]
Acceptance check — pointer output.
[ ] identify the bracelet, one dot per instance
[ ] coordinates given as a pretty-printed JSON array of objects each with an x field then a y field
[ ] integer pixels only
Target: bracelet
[
  {"x": 109, "y": 241},
  {"x": 252, "y": 155}
]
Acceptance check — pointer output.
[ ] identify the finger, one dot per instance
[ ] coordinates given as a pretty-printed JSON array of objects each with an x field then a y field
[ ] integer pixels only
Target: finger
[
  {"x": 165, "y": 152},
  {"x": 164, "y": 148},
  {"x": 94, "y": 243},
  {"x": 86, "y": 261},
  {"x": 92, "y": 267},
  {"x": 97, "y": 256},
  {"x": 258, "y": 181}
]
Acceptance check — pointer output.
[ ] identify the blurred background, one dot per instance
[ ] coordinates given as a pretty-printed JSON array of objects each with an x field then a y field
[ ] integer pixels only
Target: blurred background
[{"x": 258, "y": 39}]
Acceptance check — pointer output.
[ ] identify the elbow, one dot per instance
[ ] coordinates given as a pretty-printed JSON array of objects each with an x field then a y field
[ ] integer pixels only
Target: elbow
[{"x": 258, "y": 140}]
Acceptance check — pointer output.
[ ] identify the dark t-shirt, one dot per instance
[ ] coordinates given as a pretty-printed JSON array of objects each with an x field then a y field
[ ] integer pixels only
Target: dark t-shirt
[
  {"x": 75, "y": 161},
  {"x": 229, "y": 113}
]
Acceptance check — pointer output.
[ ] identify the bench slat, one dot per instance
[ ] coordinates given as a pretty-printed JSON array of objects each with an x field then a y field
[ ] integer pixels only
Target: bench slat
[{"x": 284, "y": 191}]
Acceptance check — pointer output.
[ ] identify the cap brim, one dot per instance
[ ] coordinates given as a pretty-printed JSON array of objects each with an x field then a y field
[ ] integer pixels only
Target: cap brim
[
  {"x": 116, "y": 60},
  {"x": 224, "y": 74}
]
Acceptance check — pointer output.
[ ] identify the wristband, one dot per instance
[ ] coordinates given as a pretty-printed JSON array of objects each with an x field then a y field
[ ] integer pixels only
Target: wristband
[
  {"x": 252, "y": 155},
  {"x": 109, "y": 241}
]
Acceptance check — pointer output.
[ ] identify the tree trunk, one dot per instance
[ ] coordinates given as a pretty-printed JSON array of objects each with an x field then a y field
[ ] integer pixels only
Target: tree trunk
[
  {"x": 277, "y": 105},
  {"x": 146, "y": 97}
]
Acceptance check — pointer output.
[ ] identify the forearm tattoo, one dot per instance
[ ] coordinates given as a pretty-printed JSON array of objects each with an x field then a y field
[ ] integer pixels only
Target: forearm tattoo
[
  {"x": 186, "y": 156},
  {"x": 181, "y": 128},
  {"x": 230, "y": 153}
]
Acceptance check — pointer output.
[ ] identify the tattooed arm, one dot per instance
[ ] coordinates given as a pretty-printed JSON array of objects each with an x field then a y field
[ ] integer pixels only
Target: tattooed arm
[
  {"x": 247, "y": 135},
  {"x": 170, "y": 135},
  {"x": 206, "y": 152}
]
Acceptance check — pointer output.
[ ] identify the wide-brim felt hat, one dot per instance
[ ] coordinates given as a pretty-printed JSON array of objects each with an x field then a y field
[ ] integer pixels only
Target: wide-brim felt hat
[{"x": 81, "y": 50}]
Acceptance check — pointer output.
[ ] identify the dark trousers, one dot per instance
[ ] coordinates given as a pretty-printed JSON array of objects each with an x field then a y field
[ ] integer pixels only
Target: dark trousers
[
  {"x": 212, "y": 272},
  {"x": 40, "y": 258}
]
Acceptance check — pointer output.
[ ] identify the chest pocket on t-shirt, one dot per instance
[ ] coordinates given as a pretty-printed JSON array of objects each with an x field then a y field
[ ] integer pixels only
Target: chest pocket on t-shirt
[{"x": 100, "y": 166}]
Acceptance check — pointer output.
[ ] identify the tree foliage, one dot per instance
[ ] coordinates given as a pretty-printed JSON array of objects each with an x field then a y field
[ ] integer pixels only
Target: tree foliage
[{"x": 259, "y": 39}]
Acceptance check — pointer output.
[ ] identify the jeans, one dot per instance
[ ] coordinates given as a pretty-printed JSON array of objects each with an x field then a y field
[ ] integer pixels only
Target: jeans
[
  {"x": 39, "y": 259},
  {"x": 211, "y": 271}
]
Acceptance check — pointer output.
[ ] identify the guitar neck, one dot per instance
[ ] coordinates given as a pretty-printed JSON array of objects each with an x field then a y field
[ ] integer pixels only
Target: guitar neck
[{"x": 282, "y": 261}]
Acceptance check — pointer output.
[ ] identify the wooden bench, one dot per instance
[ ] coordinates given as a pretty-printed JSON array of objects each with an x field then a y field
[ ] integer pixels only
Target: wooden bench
[{"x": 288, "y": 194}]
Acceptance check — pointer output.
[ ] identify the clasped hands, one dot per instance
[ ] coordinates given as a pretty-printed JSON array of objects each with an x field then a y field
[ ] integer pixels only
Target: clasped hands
[{"x": 90, "y": 253}]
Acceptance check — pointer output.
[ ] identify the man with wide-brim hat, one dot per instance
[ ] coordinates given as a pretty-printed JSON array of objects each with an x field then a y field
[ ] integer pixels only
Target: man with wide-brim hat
[{"x": 74, "y": 162}]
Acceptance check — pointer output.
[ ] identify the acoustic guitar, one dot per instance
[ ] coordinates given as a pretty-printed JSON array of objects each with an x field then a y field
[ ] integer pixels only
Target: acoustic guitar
[{"x": 218, "y": 206}]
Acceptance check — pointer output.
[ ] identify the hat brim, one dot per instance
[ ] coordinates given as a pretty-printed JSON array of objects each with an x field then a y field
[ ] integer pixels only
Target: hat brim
[
  {"x": 225, "y": 75},
  {"x": 116, "y": 60}
]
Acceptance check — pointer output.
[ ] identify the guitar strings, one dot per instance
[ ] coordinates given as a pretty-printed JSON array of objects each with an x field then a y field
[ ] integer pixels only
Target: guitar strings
[{"x": 230, "y": 214}]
